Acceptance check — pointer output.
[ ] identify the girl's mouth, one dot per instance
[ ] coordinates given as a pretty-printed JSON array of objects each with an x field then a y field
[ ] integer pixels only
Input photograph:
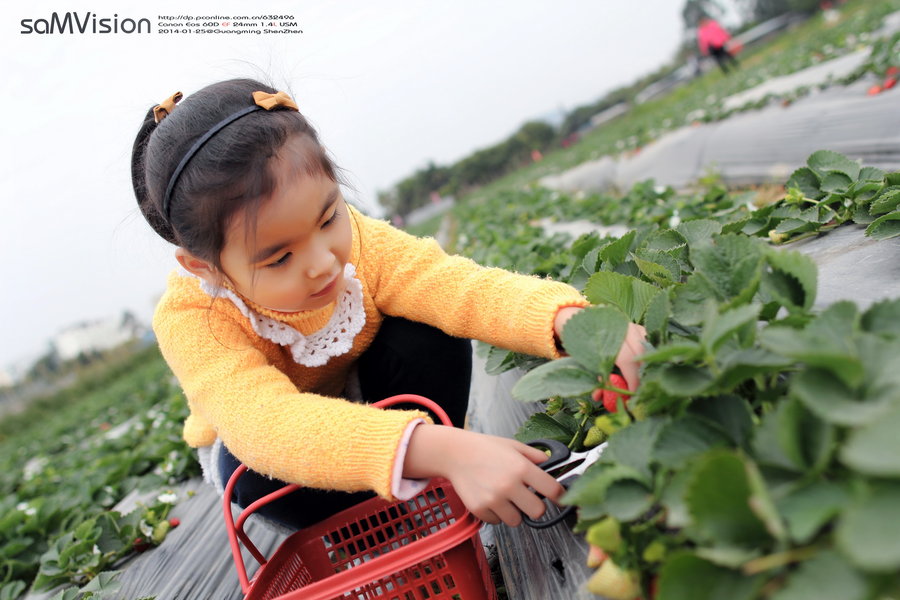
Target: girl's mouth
[{"x": 325, "y": 290}]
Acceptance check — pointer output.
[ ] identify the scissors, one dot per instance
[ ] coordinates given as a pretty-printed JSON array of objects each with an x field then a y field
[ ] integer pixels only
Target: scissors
[{"x": 560, "y": 458}]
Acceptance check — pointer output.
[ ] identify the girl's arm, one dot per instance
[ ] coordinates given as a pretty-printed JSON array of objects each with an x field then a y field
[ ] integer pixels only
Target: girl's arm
[{"x": 492, "y": 475}]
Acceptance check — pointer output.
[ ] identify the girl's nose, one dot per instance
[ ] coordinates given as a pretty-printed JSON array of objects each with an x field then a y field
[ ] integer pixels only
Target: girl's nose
[{"x": 321, "y": 263}]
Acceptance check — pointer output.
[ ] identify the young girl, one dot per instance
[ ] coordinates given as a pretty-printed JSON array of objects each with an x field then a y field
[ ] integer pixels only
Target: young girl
[{"x": 290, "y": 304}]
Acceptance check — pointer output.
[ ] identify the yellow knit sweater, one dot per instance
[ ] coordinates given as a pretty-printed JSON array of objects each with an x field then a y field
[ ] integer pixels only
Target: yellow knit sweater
[{"x": 286, "y": 420}]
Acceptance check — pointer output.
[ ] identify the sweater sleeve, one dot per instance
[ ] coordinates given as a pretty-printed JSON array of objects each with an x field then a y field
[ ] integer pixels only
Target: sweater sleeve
[
  {"x": 260, "y": 415},
  {"x": 416, "y": 279}
]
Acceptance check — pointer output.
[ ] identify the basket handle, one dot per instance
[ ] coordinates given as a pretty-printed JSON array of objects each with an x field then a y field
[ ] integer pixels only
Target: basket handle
[{"x": 235, "y": 528}]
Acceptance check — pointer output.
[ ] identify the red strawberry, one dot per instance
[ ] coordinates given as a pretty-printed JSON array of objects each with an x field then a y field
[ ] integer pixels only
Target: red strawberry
[
  {"x": 610, "y": 398},
  {"x": 891, "y": 71},
  {"x": 875, "y": 89},
  {"x": 174, "y": 521},
  {"x": 889, "y": 83},
  {"x": 140, "y": 544}
]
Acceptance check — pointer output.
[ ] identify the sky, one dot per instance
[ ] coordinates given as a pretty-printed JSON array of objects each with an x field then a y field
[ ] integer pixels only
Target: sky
[{"x": 389, "y": 86}]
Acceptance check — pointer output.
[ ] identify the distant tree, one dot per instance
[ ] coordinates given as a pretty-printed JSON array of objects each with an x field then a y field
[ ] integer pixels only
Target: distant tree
[{"x": 694, "y": 10}]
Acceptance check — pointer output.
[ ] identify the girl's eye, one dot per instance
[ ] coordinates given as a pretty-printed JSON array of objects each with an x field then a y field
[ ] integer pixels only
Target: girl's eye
[
  {"x": 281, "y": 261},
  {"x": 332, "y": 219}
]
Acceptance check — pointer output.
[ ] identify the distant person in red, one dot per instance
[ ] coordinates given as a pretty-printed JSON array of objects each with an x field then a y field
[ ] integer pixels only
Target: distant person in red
[{"x": 712, "y": 40}]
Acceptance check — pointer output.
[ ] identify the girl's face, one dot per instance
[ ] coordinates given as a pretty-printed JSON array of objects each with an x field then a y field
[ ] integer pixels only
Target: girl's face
[{"x": 293, "y": 260}]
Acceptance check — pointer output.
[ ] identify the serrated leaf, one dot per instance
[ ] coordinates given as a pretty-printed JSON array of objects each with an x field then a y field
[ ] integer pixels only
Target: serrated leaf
[
  {"x": 761, "y": 502},
  {"x": 656, "y": 317},
  {"x": 684, "y": 351},
  {"x": 827, "y": 576},
  {"x": 685, "y": 576},
  {"x": 684, "y": 381},
  {"x": 869, "y": 530},
  {"x": 699, "y": 231},
  {"x": 829, "y": 397},
  {"x": 805, "y": 180},
  {"x": 885, "y": 227},
  {"x": 875, "y": 448},
  {"x": 808, "y": 509},
  {"x": 737, "y": 366},
  {"x": 627, "y": 499},
  {"x": 633, "y": 447},
  {"x": 541, "y": 425},
  {"x": 718, "y": 327},
  {"x": 104, "y": 583},
  {"x": 588, "y": 492},
  {"x": 593, "y": 337},
  {"x": 563, "y": 377},
  {"x": 793, "y": 225},
  {"x": 827, "y": 341},
  {"x": 628, "y": 294},
  {"x": 792, "y": 279},
  {"x": 730, "y": 412},
  {"x": 616, "y": 252},
  {"x": 871, "y": 174},
  {"x": 836, "y": 183},
  {"x": 825, "y": 161},
  {"x": 686, "y": 438},
  {"x": 658, "y": 267},
  {"x": 718, "y": 499},
  {"x": 883, "y": 319},
  {"x": 691, "y": 297},
  {"x": 886, "y": 202},
  {"x": 733, "y": 264}
]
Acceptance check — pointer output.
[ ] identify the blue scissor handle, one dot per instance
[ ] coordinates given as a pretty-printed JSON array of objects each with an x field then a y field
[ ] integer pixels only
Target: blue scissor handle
[{"x": 559, "y": 453}]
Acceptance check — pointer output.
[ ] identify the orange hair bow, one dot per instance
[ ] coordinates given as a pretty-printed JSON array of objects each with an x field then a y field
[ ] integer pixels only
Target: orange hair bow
[
  {"x": 165, "y": 108},
  {"x": 269, "y": 101}
]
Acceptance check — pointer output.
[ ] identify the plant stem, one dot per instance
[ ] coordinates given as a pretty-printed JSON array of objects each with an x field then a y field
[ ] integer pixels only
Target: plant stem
[{"x": 779, "y": 559}]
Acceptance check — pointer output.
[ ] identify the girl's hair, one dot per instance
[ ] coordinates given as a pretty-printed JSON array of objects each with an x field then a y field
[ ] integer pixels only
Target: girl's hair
[{"x": 230, "y": 173}]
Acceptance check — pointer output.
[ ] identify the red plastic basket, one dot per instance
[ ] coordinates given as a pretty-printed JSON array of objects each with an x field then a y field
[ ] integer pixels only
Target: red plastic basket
[{"x": 425, "y": 547}]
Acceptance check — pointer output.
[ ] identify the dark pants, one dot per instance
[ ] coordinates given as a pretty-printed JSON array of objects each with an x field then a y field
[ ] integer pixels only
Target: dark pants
[
  {"x": 405, "y": 358},
  {"x": 724, "y": 58}
]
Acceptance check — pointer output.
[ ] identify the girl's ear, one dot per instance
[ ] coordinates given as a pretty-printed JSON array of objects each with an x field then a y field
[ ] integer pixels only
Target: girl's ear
[{"x": 197, "y": 266}]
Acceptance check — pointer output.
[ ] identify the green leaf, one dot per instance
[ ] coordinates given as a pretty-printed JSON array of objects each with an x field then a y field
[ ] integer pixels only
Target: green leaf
[
  {"x": 718, "y": 327},
  {"x": 792, "y": 279},
  {"x": 875, "y": 448},
  {"x": 825, "y": 161},
  {"x": 805, "y": 180},
  {"x": 886, "y": 202},
  {"x": 885, "y": 226},
  {"x": 730, "y": 412},
  {"x": 808, "y": 509},
  {"x": 836, "y": 183},
  {"x": 686, "y": 438},
  {"x": 660, "y": 268},
  {"x": 733, "y": 265},
  {"x": 633, "y": 446},
  {"x": 105, "y": 582},
  {"x": 823, "y": 393},
  {"x": 656, "y": 319},
  {"x": 691, "y": 298},
  {"x": 593, "y": 337},
  {"x": 869, "y": 530},
  {"x": 563, "y": 377},
  {"x": 827, "y": 341},
  {"x": 699, "y": 231},
  {"x": 589, "y": 491},
  {"x": 685, "y": 576},
  {"x": 684, "y": 381},
  {"x": 883, "y": 319},
  {"x": 761, "y": 502},
  {"x": 738, "y": 365},
  {"x": 542, "y": 425},
  {"x": 616, "y": 252},
  {"x": 629, "y": 294},
  {"x": 686, "y": 351},
  {"x": 627, "y": 499},
  {"x": 827, "y": 576},
  {"x": 718, "y": 499},
  {"x": 871, "y": 174}
]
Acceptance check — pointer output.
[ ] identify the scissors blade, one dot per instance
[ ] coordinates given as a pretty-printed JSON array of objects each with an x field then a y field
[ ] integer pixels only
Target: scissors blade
[{"x": 584, "y": 460}]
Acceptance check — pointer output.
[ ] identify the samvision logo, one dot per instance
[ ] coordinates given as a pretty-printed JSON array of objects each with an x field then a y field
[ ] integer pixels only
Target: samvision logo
[{"x": 71, "y": 23}]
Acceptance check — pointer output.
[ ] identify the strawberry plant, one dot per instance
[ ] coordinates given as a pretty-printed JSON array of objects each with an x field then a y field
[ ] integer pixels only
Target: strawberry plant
[
  {"x": 758, "y": 458},
  {"x": 64, "y": 467}
]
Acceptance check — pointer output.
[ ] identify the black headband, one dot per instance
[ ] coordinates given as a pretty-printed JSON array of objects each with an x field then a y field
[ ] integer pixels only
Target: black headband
[{"x": 167, "y": 199}]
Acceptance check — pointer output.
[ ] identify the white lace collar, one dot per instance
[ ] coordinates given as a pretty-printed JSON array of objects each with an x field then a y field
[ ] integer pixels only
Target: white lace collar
[{"x": 312, "y": 350}]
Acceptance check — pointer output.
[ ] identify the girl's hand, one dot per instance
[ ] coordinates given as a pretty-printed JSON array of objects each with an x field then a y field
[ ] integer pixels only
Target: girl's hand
[
  {"x": 492, "y": 475},
  {"x": 629, "y": 353}
]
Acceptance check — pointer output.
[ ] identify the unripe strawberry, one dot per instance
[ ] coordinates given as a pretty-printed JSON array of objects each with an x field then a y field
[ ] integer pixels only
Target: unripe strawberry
[
  {"x": 160, "y": 531},
  {"x": 605, "y": 534},
  {"x": 606, "y": 424},
  {"x": 778, "y": 238},
  {"x": 613, "y": 583},
  {"x": 593, "y": 437}
]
